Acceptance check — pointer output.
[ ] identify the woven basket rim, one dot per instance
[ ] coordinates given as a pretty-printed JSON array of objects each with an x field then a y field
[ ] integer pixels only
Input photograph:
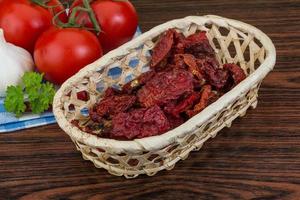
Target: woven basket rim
[{"x": 160, "y": 141}]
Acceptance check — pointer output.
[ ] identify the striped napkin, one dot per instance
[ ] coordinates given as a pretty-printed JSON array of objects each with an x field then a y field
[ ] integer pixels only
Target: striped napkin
[{"x": 9, "y": 123}]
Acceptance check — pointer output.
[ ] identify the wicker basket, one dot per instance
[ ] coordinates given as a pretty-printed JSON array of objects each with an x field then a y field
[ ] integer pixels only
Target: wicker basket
[{"x": 232, "y": 40}]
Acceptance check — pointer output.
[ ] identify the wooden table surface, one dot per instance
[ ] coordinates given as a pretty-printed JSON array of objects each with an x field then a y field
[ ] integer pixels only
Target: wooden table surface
[{"x": 257, "y": 158}]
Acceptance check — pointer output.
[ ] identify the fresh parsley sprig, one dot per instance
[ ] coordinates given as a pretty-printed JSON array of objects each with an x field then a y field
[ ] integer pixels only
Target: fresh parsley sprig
[{"x": 33, "y": 92}]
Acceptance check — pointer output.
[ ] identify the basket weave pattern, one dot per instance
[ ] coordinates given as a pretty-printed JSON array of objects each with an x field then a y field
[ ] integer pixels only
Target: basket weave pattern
[{"x": 142, "y": 156}]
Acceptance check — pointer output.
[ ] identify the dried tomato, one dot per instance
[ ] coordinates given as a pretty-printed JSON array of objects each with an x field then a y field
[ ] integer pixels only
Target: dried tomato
[
  {"x": 94, "y": 115},
  {"x": 83, "y": 96},
  {"x": 174, "y": 121},
  {"x": 164, "y": 87},
  {"x": 135, "y": 84},
  {"x": 178, "y": 43},
  {"x": 178, "y": 62},
  {"x": 217, "y": 77},
  {"x": 89, "y": 128},
  {"x": 212, "y": 61},
  {"x": 162, "y": 49},
  {"x": 110, "y": 92},
  {"x": 139, "y": 123},
  {"x": 169, "y": 106},
  {"x": 111, "y": 105},
  {"x": 236, "y": 72},
  {"x": 198, "y": 84},
  {"x": 207, "y": 97},
  {"x": 198, "y": 45},
  {"x": 183, "y": 105},
  {"x": 190, "y": 61},
  {"x": 214, "y": 75},
  {"x": 145, "y": 77}
]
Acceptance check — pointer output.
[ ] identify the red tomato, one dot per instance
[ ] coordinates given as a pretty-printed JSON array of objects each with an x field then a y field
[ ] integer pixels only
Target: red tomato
[
  {"x": 55, "y": 7},
  {"x": 60, "y": 53},
  {"x": 23, "y": 21},
  {"x": 118, "y": 21}
]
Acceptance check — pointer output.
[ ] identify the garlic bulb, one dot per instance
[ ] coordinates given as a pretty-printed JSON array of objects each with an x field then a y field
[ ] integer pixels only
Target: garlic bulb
[{"x": 14, "y": 62}]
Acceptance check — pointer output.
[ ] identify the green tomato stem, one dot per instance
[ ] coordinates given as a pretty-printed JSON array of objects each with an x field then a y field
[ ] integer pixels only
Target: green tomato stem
[
  {"x": 72, "y": 22},
  {"x": 43, "y": 3},
  {"x": 92, "y": 15}
]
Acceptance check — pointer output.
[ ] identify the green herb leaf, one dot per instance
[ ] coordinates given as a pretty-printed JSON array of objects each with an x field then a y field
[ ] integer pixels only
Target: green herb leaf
[
  {"x": 40, "y": 95},
  {"x": 33, "y": 83},
  {"x": 14, "y": 101},
  {"x": 32, "y": 79},
  {"x": 45, "y": 98}
]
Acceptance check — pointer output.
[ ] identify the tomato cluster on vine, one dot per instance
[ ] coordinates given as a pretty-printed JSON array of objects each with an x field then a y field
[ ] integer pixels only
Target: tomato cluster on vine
[{"x": 64, "y": 37}]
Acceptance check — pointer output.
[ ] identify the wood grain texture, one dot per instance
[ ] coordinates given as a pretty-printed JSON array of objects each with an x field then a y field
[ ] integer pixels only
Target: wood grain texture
[{"x": 257, "y": 158}]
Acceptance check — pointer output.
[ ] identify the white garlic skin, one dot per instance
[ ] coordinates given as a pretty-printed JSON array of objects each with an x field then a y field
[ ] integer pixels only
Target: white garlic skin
[{"x": 14, "y": 62}]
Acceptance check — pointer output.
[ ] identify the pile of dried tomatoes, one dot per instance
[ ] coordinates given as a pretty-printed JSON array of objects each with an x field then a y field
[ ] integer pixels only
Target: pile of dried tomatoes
[{"x": 184, "y": 78}]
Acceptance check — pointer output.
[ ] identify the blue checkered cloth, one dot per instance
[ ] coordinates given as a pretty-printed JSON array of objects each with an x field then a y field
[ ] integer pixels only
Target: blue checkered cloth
[{"x": 9, "y": 123}]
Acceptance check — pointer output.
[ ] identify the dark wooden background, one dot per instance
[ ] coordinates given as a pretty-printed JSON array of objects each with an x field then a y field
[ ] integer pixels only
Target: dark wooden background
[{"x": 257, "y": 158}]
